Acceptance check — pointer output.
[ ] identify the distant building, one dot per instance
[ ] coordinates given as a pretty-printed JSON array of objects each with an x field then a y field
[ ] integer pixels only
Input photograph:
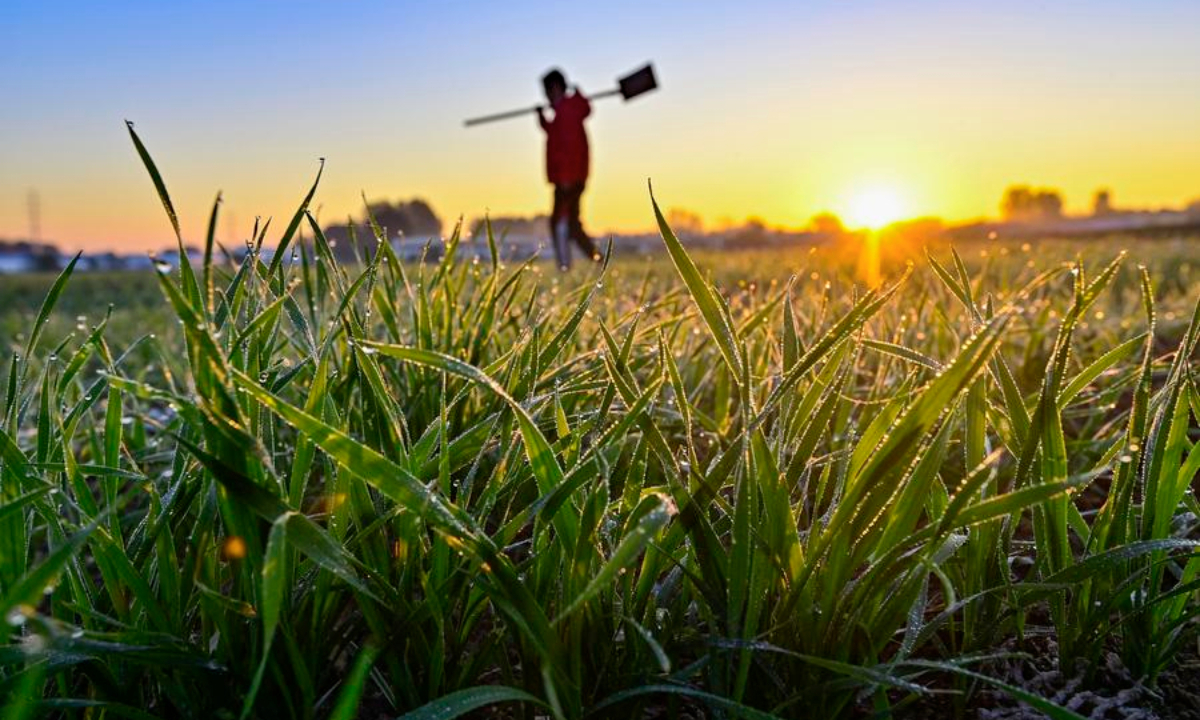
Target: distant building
[
  {"x": 14, "y": 261},
  {"x": 24, "y": 256}
]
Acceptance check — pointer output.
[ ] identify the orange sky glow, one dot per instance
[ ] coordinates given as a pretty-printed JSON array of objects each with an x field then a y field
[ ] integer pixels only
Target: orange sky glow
[{"x": 873, "y": 112}]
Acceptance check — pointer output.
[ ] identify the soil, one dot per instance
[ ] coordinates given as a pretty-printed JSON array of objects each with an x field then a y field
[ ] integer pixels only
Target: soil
[{"x": 1113, "y": 694}]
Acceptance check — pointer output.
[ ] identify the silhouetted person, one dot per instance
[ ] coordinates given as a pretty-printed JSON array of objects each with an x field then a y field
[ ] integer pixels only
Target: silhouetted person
[{"x": 566, "y": 165}]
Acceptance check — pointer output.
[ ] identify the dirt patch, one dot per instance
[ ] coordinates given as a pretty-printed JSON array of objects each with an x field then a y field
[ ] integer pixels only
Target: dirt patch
[{"x": 1112, "y": 694}]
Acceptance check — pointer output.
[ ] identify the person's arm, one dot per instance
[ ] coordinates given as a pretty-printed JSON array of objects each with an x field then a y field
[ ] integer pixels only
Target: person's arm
[
  {"x": 541, "y": 112},
  {"x": 585, "y": 106}
]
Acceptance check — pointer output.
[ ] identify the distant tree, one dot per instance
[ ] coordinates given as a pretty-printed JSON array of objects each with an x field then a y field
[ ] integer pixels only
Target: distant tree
[
  {"x": 685, "y": 222},
  {"x": 827, "y": 223},
  {"x": 1048, "y": 204},
  {"x": 1102, "y": 203},
  {"x": 1016, "y": 202},
  {"x": 752, "y": 233},
  {"x": 1021, "y": 204},
  {"x": 414, "y": 219},
  {"x": 512, "y": 226}
]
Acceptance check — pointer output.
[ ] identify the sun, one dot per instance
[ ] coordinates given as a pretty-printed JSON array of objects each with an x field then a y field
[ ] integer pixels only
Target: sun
[{"x": 876, "y": 207}]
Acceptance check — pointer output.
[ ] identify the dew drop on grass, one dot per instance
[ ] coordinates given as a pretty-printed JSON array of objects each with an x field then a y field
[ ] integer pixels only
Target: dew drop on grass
[{"x": 33, "y": 645}]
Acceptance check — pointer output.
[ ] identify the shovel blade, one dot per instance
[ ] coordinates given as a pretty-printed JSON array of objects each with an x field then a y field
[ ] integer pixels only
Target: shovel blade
[{"x": 638, "y": 82}]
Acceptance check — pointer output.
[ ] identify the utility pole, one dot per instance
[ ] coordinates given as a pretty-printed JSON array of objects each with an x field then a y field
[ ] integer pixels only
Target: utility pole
[{"x": 35, "y": 215}]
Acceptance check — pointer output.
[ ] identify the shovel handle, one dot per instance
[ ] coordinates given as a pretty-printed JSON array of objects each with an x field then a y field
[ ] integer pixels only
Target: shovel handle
[
  {"x": 528, "y": 110},
  {"x": 503, "y": 115}
]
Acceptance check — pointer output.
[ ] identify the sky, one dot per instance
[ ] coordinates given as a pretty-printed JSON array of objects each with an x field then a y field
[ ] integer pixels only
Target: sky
[{"x": 775, "y": 110}]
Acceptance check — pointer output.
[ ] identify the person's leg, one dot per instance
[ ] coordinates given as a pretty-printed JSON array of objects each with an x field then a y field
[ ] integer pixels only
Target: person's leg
[
  {"x": 559, "y": 229},
  {"x": 578, "y": 234}
]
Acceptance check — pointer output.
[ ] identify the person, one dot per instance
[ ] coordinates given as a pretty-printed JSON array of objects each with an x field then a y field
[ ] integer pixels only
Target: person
[{"x": 566, "y": 165}]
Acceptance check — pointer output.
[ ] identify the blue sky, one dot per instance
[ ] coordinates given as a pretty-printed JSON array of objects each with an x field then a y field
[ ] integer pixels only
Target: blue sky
[{"x": 779, "y": 110}]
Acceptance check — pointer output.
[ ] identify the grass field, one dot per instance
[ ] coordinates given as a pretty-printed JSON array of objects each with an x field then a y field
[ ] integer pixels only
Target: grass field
[{"x": 676, "y": 487}]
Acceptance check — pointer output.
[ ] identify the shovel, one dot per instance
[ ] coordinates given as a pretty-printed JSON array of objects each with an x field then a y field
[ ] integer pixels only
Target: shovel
[{"x": 636, "y": 83}]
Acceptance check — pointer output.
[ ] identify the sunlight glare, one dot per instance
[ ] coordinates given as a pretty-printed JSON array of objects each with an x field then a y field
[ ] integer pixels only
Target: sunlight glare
[{"x": 875, "y": 207}]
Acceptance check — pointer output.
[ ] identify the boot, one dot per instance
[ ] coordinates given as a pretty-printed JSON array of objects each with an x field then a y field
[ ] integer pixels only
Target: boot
[{"x": 562, "y": 247}]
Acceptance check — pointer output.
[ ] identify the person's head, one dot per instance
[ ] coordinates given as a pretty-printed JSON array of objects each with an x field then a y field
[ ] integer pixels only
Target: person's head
[{"x": 555, "y": 85}]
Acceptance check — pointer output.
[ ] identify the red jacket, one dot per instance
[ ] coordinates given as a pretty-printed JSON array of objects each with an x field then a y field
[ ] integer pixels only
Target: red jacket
[{"x": 566, "y": 141}]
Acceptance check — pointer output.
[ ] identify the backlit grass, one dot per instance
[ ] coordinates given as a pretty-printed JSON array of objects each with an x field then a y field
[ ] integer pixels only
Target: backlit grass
[{"x": 297, "y": 488}]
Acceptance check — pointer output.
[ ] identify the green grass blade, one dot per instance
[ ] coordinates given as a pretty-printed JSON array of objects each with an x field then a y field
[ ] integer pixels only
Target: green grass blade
[{"x": 459, "y": 703}]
